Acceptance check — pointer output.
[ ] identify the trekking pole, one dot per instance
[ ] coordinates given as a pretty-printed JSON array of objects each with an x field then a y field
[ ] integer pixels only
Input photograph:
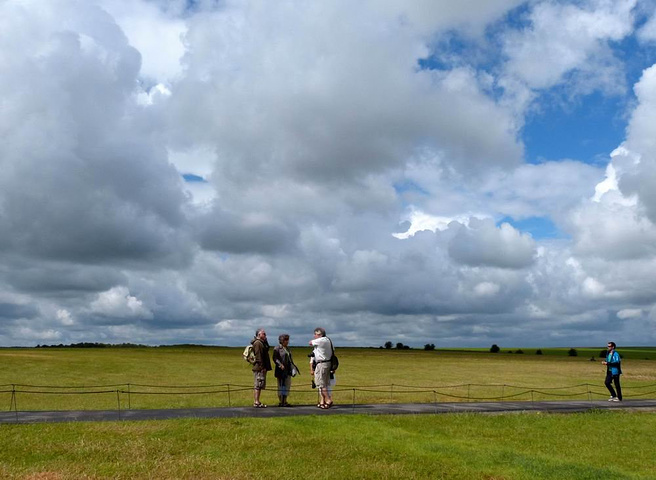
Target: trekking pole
[
  {"x": 129, "y": 398},
  {"x": 118, "y": 402},
  {"x": 229, "y": 403}
]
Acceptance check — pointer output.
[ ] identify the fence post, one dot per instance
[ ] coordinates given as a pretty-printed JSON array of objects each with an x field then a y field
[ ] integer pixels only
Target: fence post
[
  {"x": 229, "y": 402},
  {"x": 587, "y": 385},
  {"x": 13, "y": 400},
  {"x": 118, "y": 402},
  {"x": 353, "y": 405}
]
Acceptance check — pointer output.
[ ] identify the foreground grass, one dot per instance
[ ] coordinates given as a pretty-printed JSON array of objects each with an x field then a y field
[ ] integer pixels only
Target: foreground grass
[
  {"x": 364, "y": 376},
  {"x": 463, "y": 446}
]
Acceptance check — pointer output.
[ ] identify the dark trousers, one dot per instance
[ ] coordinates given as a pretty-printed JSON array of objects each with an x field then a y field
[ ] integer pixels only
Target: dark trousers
[{"x": 616, "y": 380}]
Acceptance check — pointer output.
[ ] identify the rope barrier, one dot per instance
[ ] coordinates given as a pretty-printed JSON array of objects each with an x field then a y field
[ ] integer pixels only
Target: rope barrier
[
  {"x": 62, "y": 393},
  {"x": 304, "y": 389},
  {"x": 69, "y": 386}
]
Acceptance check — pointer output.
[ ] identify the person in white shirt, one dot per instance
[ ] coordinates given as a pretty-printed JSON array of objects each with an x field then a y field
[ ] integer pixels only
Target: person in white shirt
[{"x": 323, "y": 351}]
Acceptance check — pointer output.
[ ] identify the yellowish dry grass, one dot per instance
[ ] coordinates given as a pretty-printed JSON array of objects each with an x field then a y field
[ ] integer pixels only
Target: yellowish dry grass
[{"x": 364, "y": 376}]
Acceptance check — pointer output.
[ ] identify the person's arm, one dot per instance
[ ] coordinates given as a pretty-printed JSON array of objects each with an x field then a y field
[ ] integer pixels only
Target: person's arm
[{"x": 277, "y": 359}]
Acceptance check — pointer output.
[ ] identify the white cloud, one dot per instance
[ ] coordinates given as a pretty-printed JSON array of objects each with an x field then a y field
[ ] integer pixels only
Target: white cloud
[
  {"x": 567, "y": 37},
  {"x": 64, "y": 316},
  {"x": 482, "y": 243},
  {"x": 630, "y": 313},
  {"x": 117, "y": 302}
]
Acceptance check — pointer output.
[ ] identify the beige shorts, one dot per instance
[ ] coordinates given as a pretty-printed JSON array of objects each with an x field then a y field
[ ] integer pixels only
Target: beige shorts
[
  {"x": 259, "y": 380},
  {"x": 322, "y": 375}
]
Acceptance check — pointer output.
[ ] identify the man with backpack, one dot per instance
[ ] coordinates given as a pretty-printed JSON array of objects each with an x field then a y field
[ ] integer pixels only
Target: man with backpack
[
  {"x": 261, "y": 365},
  {"x": 321, "y": 365}
]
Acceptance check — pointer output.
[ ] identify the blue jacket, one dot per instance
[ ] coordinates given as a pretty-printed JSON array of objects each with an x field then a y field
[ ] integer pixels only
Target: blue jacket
[{"x": 613, "y": 363}]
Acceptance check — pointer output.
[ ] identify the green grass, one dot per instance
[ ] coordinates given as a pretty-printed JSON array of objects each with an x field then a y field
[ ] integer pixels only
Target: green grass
[
  {"x": 460, "y": 446},
  {"x": 377, "y": 376}
]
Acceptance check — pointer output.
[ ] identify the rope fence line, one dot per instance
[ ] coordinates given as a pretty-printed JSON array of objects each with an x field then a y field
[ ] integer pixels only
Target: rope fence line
[{"x": 366, "y": 389}]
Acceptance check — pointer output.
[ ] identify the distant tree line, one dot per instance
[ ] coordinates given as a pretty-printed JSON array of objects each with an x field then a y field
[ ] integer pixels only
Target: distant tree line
[
  {"x": 400, "y": 346},
  {"x": 93, "y": 345},
  {"x": 571, "y": 352}
]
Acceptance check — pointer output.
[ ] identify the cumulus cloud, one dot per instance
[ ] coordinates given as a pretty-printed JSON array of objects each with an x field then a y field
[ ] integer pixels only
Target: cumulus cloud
[
  {"x": 483, "y": 244},
  {"x": 563, "y": 38},
  {"x": 176, "y": 172},
  {"x": 118, "y": 303}
]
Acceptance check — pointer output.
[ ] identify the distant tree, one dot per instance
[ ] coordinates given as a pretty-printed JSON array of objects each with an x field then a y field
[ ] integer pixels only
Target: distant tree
[
  {"x": 572, "y": 352},
  {"x": 495, "y": 348},
  {"x": 399, "y": 346},
  {"x": 519, "y": 350},
  {"x": 429, "y": 346},
  {"x": 406, "y": 347},
  {"x": 538, "y": 351},
  {"x": 388, "y": 345},
  {"x": 603, "y": 353}
]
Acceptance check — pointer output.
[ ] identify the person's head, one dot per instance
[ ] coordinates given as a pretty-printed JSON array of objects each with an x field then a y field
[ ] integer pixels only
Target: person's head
[
  {"x": 283, "y": 339},
  {"x": 319, "y": 332},
  {"x": 611, "y": 345},
  {"x": 260, "y": 333}
]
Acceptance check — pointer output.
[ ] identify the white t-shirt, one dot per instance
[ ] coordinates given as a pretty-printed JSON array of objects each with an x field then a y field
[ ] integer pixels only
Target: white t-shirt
[{"x": 322, "y": 349}]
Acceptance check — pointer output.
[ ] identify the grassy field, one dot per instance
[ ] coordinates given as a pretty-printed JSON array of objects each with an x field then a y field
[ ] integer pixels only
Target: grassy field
[
  {"x": 462, "y": 446},
  {"x": 156, "y": 377},
  {"x": 459, "y": 446}
]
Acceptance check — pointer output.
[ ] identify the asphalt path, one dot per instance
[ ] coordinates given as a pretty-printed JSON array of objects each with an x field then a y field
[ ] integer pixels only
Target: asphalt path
[{"x": 555, "y": 406}]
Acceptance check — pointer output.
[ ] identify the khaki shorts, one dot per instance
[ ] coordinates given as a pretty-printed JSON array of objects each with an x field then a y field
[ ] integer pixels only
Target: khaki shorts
[
  {"x": 322, "y": 375},
  {"x": 259, "y": 380}
]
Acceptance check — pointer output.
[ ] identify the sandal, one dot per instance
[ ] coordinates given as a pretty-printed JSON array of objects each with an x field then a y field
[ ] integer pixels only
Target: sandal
[
  {"x": 321, "y": 405},
  {"x": 259, "y": 405},
  {"x": 325, "y": 406},
  {"x": 328, "y": 405}
]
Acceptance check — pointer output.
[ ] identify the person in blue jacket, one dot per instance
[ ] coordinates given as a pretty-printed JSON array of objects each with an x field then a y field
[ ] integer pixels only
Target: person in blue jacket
[{"x": 613, "y": 372}]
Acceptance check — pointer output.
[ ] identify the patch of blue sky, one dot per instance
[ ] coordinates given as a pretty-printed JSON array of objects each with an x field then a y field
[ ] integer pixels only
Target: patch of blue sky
[
  {"x": 539, "y": 228},
  {"x": 589, "y": 127},
  {"x": 408, "y": 186},
  {"x": 587, "y": 130},
  {"x": 191, "y": 178}
]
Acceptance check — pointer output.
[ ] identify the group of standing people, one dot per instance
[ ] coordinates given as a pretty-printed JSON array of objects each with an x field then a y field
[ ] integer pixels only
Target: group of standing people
[
  {"x": 321, "y": 361},
  {"x": 285, "y": 368}
]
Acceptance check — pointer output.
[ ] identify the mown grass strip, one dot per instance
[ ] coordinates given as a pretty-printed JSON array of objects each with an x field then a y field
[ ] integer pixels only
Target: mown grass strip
[{"x": 462, "y": 446}]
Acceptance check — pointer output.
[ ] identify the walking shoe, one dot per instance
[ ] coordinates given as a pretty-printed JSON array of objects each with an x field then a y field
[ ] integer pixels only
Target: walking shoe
[{"x": 613, "y": 399}]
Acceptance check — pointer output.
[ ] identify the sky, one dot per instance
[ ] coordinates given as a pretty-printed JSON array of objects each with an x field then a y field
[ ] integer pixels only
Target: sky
[{"x": 456, "y": 173}]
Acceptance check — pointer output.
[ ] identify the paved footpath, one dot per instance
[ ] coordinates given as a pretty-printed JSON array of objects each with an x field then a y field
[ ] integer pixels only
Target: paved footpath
[{"x": 556, "y": 406}]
